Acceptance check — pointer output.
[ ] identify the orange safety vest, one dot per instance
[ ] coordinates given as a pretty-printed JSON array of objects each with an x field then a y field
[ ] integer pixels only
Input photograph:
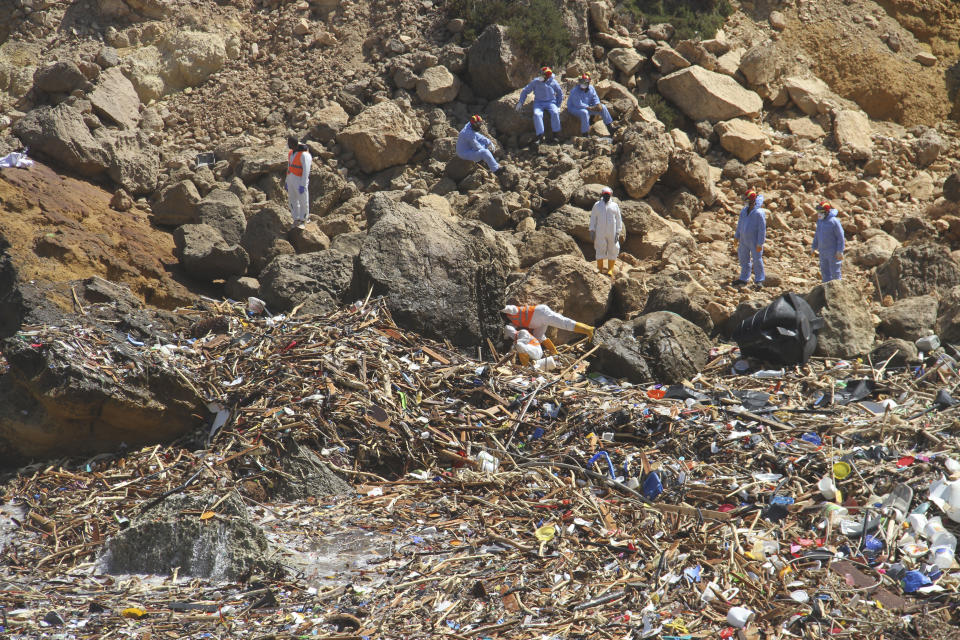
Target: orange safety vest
[
  {"x": 524, "y": 316},
  {"x": 295, "y": 163}
]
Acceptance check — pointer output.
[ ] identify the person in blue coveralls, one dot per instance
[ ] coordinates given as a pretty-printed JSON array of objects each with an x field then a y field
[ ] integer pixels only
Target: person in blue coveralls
[
  {"x": 584, "y": 102},
  {"x": 473, "y": 145},
  {"x": 751, "y": 233},
  {"x": 829, "y": 241},
  {"x": 547, "y": 96}
]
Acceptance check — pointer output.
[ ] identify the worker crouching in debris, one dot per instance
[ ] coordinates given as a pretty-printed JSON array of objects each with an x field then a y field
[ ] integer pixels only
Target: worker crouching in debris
[
  {"x": 529, "y": 349},
  {"x": 538, "y": 318}
]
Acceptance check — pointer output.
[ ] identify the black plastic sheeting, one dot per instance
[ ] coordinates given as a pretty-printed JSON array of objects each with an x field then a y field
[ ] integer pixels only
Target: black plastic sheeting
[{"x": 784, "y": 332}]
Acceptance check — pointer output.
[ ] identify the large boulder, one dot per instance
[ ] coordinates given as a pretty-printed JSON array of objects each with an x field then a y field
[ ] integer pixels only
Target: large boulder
[
  {"x": 222, "y": 210},
  {"x": 505, "y": 119},
  {"x": 328, "y": 121},
  {"x": 61, "y": 135},
  {"x": 559, "y": 190},
  {"x": 742, "y": 138},
  {"x": 811, "y": 95},
  {"x": 495, "y": 65},
  {"x": 176, "y": 204},
  {"x": 948, "y": 317},
  {"x": 762, "y": 64},
  {"x": 626, "y": 59},
  {"x": 191, "y": 56},
  {"x": 691, "y": 170},
  {"x": 115, "y": 99},
  {"x": 676, "y": 300},
  {"x": 540, "y": 244},
  {"x": 264, "y": 226},
  {"x": 52, "y": 403},
  {"x": 206, "y": 256},
  {"x": 706, "y": 95},
  {"x": 917, "y": 270},
  {"x": 909, "y": 318},
  {"x": 569, "y": 285},
  {"x": 289, "y": 280},
  {"x": 326, "y": 190},
  {"x": 59, "y": 77},
  {"x": 134, "y": 161},
  {"x": 226, "y": 548},
  {"x": 951, "y": 187},
  {"x": 848, "y": 328},
  {"x": 899, "y": 353},
  {"x": 649, "y": 235},
  {"x": 873, "y": 251},
  {"x": 437, "y": 85},
  {"x": 852, "y": 128},
  {"x": 644, "y": 157},
  {"x": 382, "y": 136},
  {"x": 656, "y": 347},
  {"x": 573, "y": 221},
  {"x": 441, "y": 277}
]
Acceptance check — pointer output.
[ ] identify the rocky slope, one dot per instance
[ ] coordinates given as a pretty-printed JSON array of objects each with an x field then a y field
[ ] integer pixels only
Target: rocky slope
[{"x": 125, "y": 94}]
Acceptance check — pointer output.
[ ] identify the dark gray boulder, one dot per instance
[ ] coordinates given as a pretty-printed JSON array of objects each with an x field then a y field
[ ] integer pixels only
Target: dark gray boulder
[
  {"x": 676, "y": 300},
  {"x": 917, "y": 270},
  {"x": 496, "y": 66},
  {"x": 206, "y": 256},
  {"x": 268, "y": 223},
  {"x": 442, "y": 277},
  {"x": 289, "y": 280},
  {"x": 656, "y": 347},
  {"x": 222, "y": 210},
  {"x": 176, "y": 204},
  {"x": 909, "y": 318},
  {"x": 227, "y": 546}
]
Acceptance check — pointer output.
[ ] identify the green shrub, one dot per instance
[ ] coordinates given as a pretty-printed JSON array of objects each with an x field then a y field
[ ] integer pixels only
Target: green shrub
[
  {"x": 691, "y": 18},
  {"x": 536, "y": 26},
  {"x": 666, "y": 112}
]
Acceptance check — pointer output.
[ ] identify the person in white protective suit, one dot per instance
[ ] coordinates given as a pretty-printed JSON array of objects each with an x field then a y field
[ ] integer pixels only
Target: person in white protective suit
[
  {"x": 528, "y": 348},
  {"x": 606, "y": 230},
  {"x": 298, "y": 180},
  {"x": 538, "y": 318}
]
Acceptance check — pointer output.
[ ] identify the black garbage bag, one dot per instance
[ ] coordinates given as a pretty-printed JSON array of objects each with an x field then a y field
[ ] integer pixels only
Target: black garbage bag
[{"x": 784, "y": 332}]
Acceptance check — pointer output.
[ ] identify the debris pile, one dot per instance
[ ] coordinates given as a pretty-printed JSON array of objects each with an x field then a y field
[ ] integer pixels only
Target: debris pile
[{"x": 491, "y": 500}]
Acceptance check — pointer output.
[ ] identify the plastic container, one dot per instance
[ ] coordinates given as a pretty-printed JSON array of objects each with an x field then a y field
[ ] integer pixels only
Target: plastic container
[
  {"x": 739, "y": 617},
  {"x": 928, "y": 343},
  {"x": 827, "y": 488}
]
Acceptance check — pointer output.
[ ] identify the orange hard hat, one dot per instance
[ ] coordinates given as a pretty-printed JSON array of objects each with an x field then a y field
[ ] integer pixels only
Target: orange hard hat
[
  {"x": 825, "y": 205},
  {"x": 585, "y": 77},
  {"x": 751, "y": 195},
  {"x": 547, "y": 71},
  {"x": 476, "y": 119}
]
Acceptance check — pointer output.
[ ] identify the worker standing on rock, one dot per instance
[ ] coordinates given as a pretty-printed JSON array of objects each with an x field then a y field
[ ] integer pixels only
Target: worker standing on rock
[
  {"x": 473, "y": 145},
  {"x": 829, "y": 241},
  {"x": 547, "y": 96},
  {"x": 751, "y": 234},
  {"x": 606, "y": 230},
  {"x": 538, "y": 318},
  {"x": 298, "y": 180},
  {"x": 584, "y": 101}
]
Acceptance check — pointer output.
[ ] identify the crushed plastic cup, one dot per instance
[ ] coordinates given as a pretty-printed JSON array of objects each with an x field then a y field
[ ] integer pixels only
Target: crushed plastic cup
[
  {"x": 917, "y": 522},
  {"x": 738, "y": 617},
  {"x": 488, "y": 462},
  {"x": 841, "y": 470},
  {"x": 914, "y": 580},
  {"x": 256, "y": 305},
  {"x": 827, "y": 488},
  {"x": 800, "y": 596}
]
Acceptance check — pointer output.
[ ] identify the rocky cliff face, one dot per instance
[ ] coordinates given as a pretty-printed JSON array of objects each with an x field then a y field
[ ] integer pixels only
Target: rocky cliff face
[{"x": 777, "y": 101}]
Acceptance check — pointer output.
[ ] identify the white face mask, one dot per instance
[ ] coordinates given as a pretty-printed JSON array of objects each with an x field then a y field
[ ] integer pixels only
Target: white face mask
[{"x": 584, "y": 85}]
